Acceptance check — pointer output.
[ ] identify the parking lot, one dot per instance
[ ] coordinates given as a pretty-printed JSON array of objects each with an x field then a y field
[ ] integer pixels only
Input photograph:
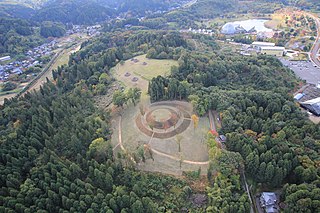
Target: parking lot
[{"x": 303, "y": 69}]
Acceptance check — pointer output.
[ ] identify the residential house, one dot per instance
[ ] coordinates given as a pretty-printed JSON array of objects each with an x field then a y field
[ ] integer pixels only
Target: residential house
[{"x": 269, "y": 202}]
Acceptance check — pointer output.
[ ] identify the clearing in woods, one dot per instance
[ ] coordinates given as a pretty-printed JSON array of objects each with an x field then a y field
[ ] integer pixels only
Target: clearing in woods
[
  {"x": 143, "y": 69},
  {"x": 164, "y": 130}
]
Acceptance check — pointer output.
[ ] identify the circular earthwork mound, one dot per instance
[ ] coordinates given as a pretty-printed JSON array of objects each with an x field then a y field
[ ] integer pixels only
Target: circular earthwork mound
[{"x": 164, "y": 120}]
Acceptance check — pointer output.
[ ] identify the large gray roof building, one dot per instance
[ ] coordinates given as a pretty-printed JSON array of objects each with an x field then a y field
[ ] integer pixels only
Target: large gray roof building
[{"x": 312, "y": 105}]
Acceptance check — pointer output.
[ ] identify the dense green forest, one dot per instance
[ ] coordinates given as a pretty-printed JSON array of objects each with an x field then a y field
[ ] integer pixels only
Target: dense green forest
[
  {"x": 17, "y": 36},
  {"x": 279, "y": 146},
  {"x": 75, "y": 12},
  {"x": 56, "y": 154},
  {"x": 82, "y": 11},
  {"x": 51, "y": 29},
  {"x": 55, "y": 149}
]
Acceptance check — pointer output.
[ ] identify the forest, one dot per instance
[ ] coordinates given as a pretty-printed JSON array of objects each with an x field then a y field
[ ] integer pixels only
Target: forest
[
  {"x": 55, "y": 148},
  {"x": 56, "y": 135},
  {"x": 56, "y": 154},
  {"x": 278, "y": 145},
  {"x": 17, "y": 36}
]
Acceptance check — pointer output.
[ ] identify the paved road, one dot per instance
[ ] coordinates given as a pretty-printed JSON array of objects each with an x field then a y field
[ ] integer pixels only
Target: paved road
[
  {"x": 316, "y": 46},
  {"x": 304, "y": 70}
]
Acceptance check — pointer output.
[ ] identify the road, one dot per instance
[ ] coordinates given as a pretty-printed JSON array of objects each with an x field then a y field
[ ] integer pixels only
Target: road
[
  {"x": 53, "y": 64},
  {"x": 56, "y": 60},
  {"x": 214, "y": 128},
  {"x": 248, "y": 191},
  {"x": 316, "y": 46},
  {"x": 304, "y": 70}
]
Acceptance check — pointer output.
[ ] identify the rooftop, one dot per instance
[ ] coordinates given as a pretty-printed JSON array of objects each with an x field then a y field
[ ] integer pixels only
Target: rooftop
[
  {"x": 259, "y": 43},
  {"x": 268, "y": 201},
  {"x": 272, "y": 48},
  {"x": 312, "y": 105}
]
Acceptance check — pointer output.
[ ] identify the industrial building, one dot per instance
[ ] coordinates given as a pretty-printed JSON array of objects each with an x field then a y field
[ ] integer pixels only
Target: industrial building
[
  {"x": 258, "y": 44},
  {"x": 268, "y": 48},
  {"x": 5, "y": 58},
  {"x": 275, "y": 51},
  {"x": 312, "y": 106}
]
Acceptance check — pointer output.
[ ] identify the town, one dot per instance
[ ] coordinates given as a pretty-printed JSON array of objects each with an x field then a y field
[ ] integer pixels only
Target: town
[{"x": 40, "y": 55}]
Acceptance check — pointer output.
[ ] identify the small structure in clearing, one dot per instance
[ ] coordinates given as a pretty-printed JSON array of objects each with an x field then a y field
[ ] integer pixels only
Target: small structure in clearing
[
  {"x": 127, "y": 74},
  {"x": 269, "y": 202},
  {"x": 135, "y": 60},
  {"x": 135, "y": 79}
]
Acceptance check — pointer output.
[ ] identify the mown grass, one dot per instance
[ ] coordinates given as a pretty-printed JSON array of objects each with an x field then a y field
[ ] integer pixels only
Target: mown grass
[{"x": 144, "y": 72}]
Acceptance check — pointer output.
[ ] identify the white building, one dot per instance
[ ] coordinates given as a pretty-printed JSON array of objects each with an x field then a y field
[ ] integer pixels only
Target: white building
[
  {"x": 258, "y": 44},
  {"x": 5, "y": 58},
  {"x": 269, "y": 50}
]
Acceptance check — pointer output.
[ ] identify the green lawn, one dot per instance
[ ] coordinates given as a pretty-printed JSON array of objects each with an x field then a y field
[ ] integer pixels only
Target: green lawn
[
  {"x": 144, "y": 72},
  {"x": 152, "y": 69}
]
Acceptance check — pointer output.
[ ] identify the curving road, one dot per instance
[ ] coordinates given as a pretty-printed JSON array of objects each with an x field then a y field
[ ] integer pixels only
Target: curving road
[{"x": 316, "y": 46}]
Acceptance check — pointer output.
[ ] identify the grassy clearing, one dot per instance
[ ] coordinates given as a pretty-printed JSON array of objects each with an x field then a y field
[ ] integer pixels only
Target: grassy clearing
[
  {"x": 144, "y": 72},
  {"x": 193, "y": 145}
]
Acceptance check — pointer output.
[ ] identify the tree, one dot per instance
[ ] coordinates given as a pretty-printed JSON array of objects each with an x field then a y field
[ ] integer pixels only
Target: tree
[
  {"x": 51, "y": 29},
  {"x": 195, "y": 120},
  {"x": 104, "y": 78},
  {"x": 137, "y": 207},
  {"x": 119, "y": 98},
  {"x": 134, "y": 95},
  {"x": 9, "y": 86},
  {"x": 142, "y": 109}
]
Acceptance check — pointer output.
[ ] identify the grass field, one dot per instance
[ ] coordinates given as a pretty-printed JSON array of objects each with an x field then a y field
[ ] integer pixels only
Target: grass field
[
  {"x": 167, "y": 158},
  {"x": 193, "y": 145},
  {"x": 144, "y": 72}
]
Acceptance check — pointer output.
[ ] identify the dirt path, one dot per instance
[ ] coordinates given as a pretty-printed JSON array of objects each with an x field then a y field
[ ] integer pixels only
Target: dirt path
[
  {"x": 155, "y": 151},
  {"x": 178, "y": 159}
]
